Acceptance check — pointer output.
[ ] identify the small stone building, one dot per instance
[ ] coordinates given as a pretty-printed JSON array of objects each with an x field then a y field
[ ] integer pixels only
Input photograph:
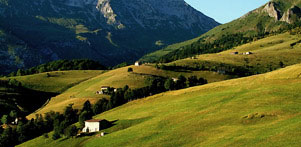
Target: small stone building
[{"x": 95, "y": 125}]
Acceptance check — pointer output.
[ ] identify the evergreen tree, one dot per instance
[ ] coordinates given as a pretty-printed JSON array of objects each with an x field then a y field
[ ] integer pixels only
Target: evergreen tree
[
  {"x": 83, "y": 117},
  {"x": 181, "y": 83},
  {"x": 13, "y": 114},
  {"x": 192, "y": 81},
  {"x": 71, "y": 131},
  {"x": 88, "y": 108},
  {"x": 129, "y": 95},
  {"x": 20, "y": 72},
  {"x": 70, "y": 114},
  {"x": 100, "y": 106},
  {"x": 169, "y": 84},
  {"x": 202, "y": 81},
  {"x": 5, "y": 119}
]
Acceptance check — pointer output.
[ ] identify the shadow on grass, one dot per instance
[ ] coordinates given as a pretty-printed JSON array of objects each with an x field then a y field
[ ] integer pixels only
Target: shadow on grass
[{"x": 119, "y": 125}]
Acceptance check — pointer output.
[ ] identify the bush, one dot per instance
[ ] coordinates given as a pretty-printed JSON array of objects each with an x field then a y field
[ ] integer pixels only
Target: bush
[
  {"x": 71, "y": 131},
  {"x": 169, "y": 84},
  {"x": 130, "y": 69},
  {"x": 4, "y": 119},
  {"x": 56, "y": 136},
  {"x": 45, "y": 135}
]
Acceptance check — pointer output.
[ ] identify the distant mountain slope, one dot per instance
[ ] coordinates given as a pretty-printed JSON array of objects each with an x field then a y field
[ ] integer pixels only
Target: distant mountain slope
[
  {"x": 261, "y": 110},
  {"x": 271, "y": 17},
  {"x": 109, "y": 31}
]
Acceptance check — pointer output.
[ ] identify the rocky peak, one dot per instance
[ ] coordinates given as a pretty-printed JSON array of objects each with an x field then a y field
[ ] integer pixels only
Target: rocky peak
[
  {"x": 152, "y": 14},
  {"x": 291, "y": 15},
  {"x": 272, "y": 10}
]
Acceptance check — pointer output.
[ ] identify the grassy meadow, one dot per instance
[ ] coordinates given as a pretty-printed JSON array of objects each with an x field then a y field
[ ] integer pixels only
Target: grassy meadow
[
  {"x": 117, "y": 78},
  {"x": 267, "y": 54},
  {"x": 57, "y": 81},
  {"x": 260, "y": 110}
]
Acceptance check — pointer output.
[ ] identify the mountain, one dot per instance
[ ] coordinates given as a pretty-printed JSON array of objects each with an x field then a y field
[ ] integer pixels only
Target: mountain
[
  {"x": 109, "y": 31},
  {"x": 272, "y": 17}
]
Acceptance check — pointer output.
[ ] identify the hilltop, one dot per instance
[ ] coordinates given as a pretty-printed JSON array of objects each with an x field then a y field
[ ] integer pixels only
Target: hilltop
[{"x": 261, "y": 110}]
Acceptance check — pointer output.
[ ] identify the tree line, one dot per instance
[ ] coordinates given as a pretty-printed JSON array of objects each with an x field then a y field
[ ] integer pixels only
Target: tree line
[{"x": 61, "y": 65}]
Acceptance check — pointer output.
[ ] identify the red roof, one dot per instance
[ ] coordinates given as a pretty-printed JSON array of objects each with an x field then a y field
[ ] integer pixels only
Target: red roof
[{"x": 94, "y": 120}]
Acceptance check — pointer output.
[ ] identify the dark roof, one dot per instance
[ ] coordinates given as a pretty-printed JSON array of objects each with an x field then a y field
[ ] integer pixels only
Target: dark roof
[
  {"x": 105, "y": 86},
  {"x": 94, "y": 120}
]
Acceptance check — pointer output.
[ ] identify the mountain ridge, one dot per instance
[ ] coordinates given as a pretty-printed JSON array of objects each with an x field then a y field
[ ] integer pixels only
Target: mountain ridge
[
  {"x": 272, "y": 17},
  {"x": 108, "y": 31}
]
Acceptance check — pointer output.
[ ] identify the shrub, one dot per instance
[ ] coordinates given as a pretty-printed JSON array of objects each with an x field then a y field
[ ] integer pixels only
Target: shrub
[
  {"x": 71, "y": 131},
  {"x": 130, "y": 69},
  {"x": 56, "y": 136}
]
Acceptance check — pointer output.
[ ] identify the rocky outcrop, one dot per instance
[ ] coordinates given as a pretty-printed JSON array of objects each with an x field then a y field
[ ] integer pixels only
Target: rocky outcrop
[
  {"x": 272, "y": 10},
  {"x": 291, "y": 15}
]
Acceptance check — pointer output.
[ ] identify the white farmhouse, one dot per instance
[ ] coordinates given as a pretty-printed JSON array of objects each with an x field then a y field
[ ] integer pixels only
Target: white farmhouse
[
  {"x": 137, "y": 63},
  {"x": 95, "y": 125}
]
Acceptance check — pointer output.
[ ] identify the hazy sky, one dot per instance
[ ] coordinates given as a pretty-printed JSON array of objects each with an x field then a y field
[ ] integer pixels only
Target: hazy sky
[{"x": 225, "y": 11}]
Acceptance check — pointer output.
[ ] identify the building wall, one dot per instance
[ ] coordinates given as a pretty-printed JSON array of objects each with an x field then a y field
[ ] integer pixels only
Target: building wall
[{"x": 93, "y": 126}]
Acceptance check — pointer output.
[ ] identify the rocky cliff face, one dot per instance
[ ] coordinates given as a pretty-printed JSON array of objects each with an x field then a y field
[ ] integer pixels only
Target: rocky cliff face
[
  {"x": 110, "y": 31},
  {"x": 278, "y": 10},
  {"x": 271, "y": 9},
  {"x": 290, "y": 15}
]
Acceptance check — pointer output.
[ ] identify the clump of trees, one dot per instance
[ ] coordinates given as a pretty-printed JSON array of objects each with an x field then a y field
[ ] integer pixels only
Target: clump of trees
[
  {"x": 182, "y": 82},
  {"x": 28, "y": 129},
  {"x": 60, "y": 65}
]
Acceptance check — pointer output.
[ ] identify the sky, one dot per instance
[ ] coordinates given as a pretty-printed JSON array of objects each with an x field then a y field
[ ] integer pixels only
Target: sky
[{"x": 224, "y": 11}]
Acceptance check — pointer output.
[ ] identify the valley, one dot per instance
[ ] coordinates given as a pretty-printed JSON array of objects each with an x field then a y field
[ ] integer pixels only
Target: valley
[{"x": 73, "y": 77}]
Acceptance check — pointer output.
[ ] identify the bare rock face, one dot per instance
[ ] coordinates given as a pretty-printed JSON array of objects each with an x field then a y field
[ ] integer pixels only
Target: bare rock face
[
  {"x": 293, "y": 14},
  {"x": 271, "y": 9}
]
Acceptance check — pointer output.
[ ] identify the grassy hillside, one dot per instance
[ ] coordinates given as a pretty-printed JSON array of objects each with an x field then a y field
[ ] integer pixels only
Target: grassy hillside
[
  {"x": 117, "y": 78},
  {"x": 28, "y": 93},
  {"x": 152, "y": 57},
  {"x": 57, "y": 81},
  {"x": 261, "y": 110},
  {"x": 268, "y": 54},
  {"x": 254, "y": 24}
]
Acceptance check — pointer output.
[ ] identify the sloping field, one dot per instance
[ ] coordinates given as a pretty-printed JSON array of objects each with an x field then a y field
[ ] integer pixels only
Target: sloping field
[
  {"x": 117, "y": 78},
  {"x": 268, "y": 54},
  {"x": 56, "y": 81},
  {"x": 261, "y": 110}
]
